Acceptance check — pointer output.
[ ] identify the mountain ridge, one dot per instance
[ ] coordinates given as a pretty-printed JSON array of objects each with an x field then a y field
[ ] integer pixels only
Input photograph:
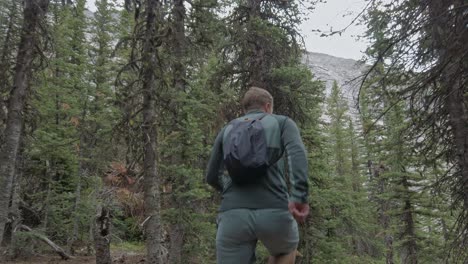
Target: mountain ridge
[{"x": 347, "y": 73}]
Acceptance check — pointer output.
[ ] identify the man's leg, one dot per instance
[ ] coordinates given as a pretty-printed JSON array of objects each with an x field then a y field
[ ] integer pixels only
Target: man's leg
[
  {"x": 283, "y": 259},
  {"x": 278, "y": 231},
  {"x": 235, "y": 239}
]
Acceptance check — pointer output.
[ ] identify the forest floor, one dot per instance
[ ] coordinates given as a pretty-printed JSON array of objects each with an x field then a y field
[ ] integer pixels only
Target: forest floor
[
  {"x": 122, "y": 258},
  {"x": 124, "y": 253}
]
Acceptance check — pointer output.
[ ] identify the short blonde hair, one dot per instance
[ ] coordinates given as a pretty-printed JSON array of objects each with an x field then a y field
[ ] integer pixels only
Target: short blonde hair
[{"x": 256, "y": 98}]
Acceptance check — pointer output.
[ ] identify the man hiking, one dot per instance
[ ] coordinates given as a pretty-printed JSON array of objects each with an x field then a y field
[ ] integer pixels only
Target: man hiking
[{"x": 255, "y": 202}]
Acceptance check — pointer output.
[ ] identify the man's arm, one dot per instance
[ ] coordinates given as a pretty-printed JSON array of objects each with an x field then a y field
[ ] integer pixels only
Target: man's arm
[
  {"x": 215, "y": 165},
  {"x": 297, "y": 162}
]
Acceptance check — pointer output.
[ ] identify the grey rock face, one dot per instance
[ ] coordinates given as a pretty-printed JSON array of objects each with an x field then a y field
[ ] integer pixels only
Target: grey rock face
[{"x": 347, "y": 73}]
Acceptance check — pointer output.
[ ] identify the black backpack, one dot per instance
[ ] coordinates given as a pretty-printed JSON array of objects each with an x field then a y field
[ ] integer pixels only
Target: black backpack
[{"x": 245, "y": 150}]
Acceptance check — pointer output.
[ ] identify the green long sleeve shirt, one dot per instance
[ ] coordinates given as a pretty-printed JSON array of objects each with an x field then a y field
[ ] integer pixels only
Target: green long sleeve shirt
[{"x": 282, "y": 136}]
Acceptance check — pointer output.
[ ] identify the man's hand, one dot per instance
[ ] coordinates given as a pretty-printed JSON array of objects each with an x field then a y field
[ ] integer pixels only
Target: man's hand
[{"x": 299, "y": 211}]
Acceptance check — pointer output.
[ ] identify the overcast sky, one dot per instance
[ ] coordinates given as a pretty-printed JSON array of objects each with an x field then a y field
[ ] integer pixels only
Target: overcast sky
[{"x": 335, "y": 14}]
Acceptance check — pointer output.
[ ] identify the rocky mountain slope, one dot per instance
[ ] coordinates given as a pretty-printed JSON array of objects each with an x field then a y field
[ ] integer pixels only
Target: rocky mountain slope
[{"x": 346, "y": 72}]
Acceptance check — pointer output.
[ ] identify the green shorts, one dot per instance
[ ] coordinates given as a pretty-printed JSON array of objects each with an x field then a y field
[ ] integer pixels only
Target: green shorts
[{"x": 240, "y": 229}]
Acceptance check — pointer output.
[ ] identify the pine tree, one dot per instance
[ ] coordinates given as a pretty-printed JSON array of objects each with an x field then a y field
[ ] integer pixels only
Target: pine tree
[
  {"x": 424, "y": 56},
  {"x": 262, "y": 38},
  {"x": 401, "y": 180},
  {"x": 398, "y": 160},
  {"x": 150, "y": 65},
  {"x": 9, "y": 31},
  {"x": 101, "y": 120},
  {"x": 9, "y": 16},
  {"x": 33, "y": 13},
  {"x": 347, "y": 231}
]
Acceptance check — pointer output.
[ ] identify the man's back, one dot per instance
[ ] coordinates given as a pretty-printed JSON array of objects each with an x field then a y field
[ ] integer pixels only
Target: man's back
[
  {"x": 269, "y": 191},
  {"x": 262, "y": 209}
]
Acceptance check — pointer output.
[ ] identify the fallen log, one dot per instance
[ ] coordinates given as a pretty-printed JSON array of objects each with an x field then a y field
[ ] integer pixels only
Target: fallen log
[{"x": 46, "y": 240}]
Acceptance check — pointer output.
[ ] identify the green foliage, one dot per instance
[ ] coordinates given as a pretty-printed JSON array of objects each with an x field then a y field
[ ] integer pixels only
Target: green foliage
[
  {"x": 344, "y": 225},
  {"x": 404, "y": 177},
  {"x": 126, "y": 246},
  {"x": 127, "y": 228},
  {"x": 21, "y": 245},
  {"x": 83, "y": 143}
]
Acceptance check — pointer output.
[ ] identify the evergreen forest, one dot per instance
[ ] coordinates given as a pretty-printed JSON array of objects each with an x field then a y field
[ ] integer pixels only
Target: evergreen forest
[{"x": 107, "y": 119}]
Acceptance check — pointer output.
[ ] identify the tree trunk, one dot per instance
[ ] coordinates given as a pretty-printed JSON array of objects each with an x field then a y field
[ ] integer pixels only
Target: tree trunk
[
  {"x": 409, "y": 235},
  {"x": 34, "y": 11},
  {"x": 356, "y": 174},
  {"x": 454, "y": 32},
  {"x": 388, "y": 238},
  {"x": 14, "y": 212},
  {"x": 5, "y": 66},
  {"x": 10, "y": 241},
  {"x": 445, "y": 230},
  {"x": 177, "y": 231},
  {"x": 75, "y": 213},
  {"x": 152, "y": 224},
  {"x": 179, "y": 44},
  {"x": 45, "y": 208},
  {"x": 383, "y": 217},
  {"x": 257, "y": 61},
  {"x": 176, "y": 235},
  {"x": 102, "y": 235},
  {"x": 450, "y": 38},
  {"x": 457, "y": 109}
]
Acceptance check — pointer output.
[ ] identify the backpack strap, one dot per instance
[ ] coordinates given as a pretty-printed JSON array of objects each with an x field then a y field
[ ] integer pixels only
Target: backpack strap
[
  {"x": 225, "y": 133},
  {"x": 282, "y": 123},
  {"x": 260, "y": 118}
]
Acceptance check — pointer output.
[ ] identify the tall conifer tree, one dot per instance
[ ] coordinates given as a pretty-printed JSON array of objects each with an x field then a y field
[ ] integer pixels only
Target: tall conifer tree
[{"x": 33, "y": 12}]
